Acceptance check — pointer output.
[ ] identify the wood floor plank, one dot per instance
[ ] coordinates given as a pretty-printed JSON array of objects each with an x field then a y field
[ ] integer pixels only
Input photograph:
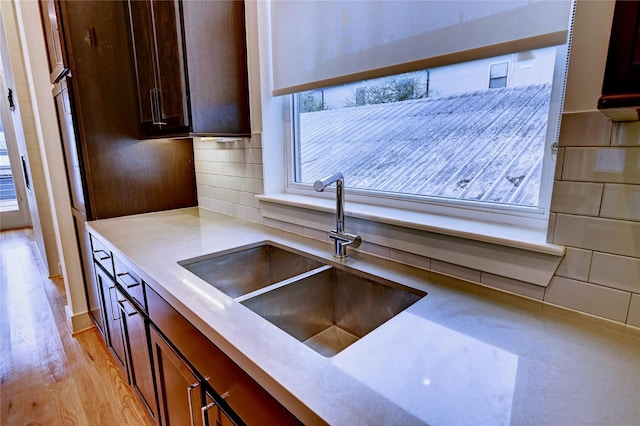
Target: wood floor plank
[{"x": 47, "y": 375}]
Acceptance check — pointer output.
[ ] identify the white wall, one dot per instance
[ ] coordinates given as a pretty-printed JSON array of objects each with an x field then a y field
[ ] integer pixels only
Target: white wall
[
  {"x": 48, "y": 136},
  {"x": 24, "y": 127}
]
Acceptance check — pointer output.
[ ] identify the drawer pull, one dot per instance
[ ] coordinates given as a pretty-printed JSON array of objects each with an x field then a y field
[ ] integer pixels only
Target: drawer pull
[
  {"x": 130, "y": 285},
  {"x": 103, "y": 256}
]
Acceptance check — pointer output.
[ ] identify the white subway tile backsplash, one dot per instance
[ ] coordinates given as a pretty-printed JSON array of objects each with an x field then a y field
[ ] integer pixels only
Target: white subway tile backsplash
[
  {"x": 248, "y": 199},
  {"x": 559, "y": 164},
  {"x": 233, "y": 169},
  {"x": 551, "y": 228},
  {"x": 254, "y": 215},
  {"x": 621, "y": 202},
  {"x": 204, "y": 155},
  {"x": 208, "y": 167},
  {"x": 634, "y": 311},
  {"x": 514, "y": 286},
  {"x": 231, "y": 182},
  {"x": 410, "y": 258},
  {"x": 227, "y": 195},
  {"x": 291, "y": 227},
  {"x": 575, "y": 264},
  {"x": 254, "y": 186},
  {"x": 374, "y": 249},
  {"x": 272, "y": 222},
  {"x": 581, "y": 198},
  {"x": 604, "y": 235},
  {"x": 317, "y": 234},
  {"x": 594, "y": 299},
  {"x": 618, "y": 272},
  {"x": 589, "y": 128},
  {"x": 253, "y": 156},
  {"x": 206, "y": 179},
  {"x": 455, "y": 270},
  {"x": 626, "y": 133},
  {"x": 614, "y": 165}
]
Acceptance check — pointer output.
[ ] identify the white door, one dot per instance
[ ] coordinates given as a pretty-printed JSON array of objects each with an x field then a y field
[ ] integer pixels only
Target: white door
[{"x": 14, "y": 212}]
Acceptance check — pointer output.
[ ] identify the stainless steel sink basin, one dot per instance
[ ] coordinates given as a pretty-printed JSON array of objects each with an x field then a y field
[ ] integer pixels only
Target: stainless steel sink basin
[
  {"x": 250, "y": 268},
  {"x": 331, "y": 309}
]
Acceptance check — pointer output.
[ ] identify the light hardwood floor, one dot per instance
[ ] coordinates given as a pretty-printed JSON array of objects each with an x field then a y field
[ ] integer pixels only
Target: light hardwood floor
[{"x": 48, "y": 376}]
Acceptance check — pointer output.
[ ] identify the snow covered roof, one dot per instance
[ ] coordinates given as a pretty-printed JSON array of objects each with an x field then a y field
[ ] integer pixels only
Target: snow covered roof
[{"x": 484, "y": 145}]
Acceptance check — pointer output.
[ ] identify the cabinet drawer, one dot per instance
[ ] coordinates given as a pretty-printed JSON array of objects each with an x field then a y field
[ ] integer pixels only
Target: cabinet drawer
[
  {"x": 130, "y": 282},
  {"x": 102, "y": 255},
  {"x": 247, "y": 398}
]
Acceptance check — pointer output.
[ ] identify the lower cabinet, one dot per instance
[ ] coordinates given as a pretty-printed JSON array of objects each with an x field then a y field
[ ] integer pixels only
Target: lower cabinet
[
  {"x": 110, "y": 295},
  {"x": 184, "y": 397},
  {"x": 178, "y": 373},
  {"x": 136, "y": 344}
]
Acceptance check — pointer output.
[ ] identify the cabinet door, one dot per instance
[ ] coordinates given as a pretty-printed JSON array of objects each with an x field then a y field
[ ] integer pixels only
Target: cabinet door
[
  {"x": 156, "y": 32},
  {"x": 113, "y": 326},
  {"x": 179, "y": 390},
  {"x": 138, "y": 357}
]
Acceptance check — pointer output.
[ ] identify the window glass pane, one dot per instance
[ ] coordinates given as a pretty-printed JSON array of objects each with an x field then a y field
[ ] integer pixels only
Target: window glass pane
[{"x": 439, "y": 132}]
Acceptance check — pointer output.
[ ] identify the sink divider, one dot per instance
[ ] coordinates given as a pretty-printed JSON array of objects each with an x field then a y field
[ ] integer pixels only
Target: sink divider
[{"x": 282, "y": 283}]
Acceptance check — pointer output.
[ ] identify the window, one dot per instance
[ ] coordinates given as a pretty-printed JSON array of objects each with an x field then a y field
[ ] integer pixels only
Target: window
[
  {"x": 498, "y": 75},
  {"x": 407, "y": 113},
  {"x": 437, "y": 135}
]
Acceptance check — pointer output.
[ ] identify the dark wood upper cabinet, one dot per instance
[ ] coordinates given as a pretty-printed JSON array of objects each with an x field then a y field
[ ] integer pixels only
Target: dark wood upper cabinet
[
  {"x": 620, "y": 98},
  {"x": 191, "y": 67}
]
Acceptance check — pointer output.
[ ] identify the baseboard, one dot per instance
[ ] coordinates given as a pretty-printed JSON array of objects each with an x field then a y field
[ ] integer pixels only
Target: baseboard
[{"x": 78, "y": 322}]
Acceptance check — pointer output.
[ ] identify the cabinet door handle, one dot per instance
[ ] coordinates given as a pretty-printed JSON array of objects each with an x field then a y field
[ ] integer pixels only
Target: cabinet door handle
[
  {"x": 114, "y": 308},
  {"x": 152, "y": 105},
  {"x": 123, "y": 309},
  {"x": 125, "y": 274},
  {"x": 189, "y": 390},
  {"x": 156, "y": 110},
  {"x": 104, "y": 256},
  {"x": 204, "y": 410}
]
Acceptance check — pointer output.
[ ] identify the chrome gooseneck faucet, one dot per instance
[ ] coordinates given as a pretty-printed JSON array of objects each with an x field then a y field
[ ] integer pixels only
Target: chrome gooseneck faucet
[{"x": 341, "y": 238}]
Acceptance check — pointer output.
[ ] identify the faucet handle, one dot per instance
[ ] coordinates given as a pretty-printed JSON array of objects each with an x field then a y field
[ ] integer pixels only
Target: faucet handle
[{"x": 346, "y": 239}]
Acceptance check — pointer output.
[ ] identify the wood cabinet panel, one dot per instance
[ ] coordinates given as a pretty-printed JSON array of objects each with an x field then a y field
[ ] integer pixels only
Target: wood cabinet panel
[
  {"x": 191, "y": 64},
  {"x": 179, "y": 390},
  {"x": 243, "y": 395},
  {"x": 113, "y": 325},
  {"x": 137, "y": 349}
]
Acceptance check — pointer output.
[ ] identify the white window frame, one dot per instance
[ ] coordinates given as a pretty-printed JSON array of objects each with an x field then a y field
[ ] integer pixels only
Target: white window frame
[{"x": 510, "y": 215}]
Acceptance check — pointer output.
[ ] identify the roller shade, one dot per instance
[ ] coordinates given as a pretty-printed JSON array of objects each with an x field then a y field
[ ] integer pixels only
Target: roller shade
[{"x": 324, "y": 43}]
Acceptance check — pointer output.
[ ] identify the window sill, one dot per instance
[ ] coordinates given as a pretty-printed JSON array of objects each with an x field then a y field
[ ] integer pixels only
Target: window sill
[{"x": 529, "y": 239}]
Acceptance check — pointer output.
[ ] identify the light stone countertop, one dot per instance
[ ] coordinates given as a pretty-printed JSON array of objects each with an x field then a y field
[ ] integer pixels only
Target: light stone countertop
[{"x": 462, "y": 355}]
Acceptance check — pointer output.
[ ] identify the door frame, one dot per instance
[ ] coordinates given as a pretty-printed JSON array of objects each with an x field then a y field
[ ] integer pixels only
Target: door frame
[{"x": 17, "y": 218}]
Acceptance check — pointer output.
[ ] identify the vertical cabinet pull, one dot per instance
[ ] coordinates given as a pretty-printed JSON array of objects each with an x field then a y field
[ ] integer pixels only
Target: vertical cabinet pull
[
  {"x": 156, "y": 110},
  {"x": 189, "y": 390},
  {"x": 204, "y": 410}
]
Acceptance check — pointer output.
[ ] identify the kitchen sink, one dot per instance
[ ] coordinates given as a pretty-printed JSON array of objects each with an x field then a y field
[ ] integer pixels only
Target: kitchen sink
[
  {"x": 249, "y": 268},
  {"x": 330, "y": 309}
]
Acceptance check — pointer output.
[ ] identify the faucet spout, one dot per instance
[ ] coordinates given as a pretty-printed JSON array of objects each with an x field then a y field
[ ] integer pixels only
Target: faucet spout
[{"x": 341, "y": 238}]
